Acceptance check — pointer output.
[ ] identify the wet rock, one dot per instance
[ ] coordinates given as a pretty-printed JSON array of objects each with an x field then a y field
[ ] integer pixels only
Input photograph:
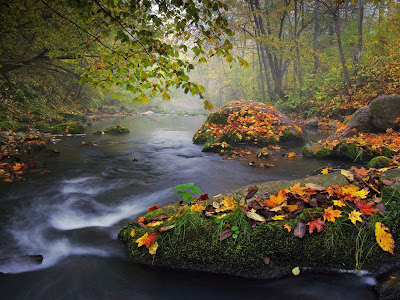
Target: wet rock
[
  {"x": 311, "y": 123},
  {"x": 149, "y": 112},
  {"x": 361, "y": 121},
  {"x": 36, "y": 259},
  {"x": 117, "y": 130},
  {"x": 384, "y": 112}
]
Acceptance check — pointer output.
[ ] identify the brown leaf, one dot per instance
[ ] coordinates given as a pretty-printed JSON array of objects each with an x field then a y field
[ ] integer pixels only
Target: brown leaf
[
  {"x": 381, "y": 207},
  {"x": 251, "y": 192},
  {"x": 388, "y": 181},
  {"x": 153, "y": 208},
  {"x": 267, "y": 260},
  {"x": 166, "y": 228},
  {"x": 225, "y": 234},
  {"x": 300, "y": 230},
  {"x": 314, "y": 186}
]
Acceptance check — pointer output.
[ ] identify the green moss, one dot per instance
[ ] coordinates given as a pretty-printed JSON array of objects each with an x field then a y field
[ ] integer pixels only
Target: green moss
[
  {"x": 340, "y": 246},
  {"x": 323, "y": 152},
  {"x": 307, "y": 152},
  {"x": 211, "y": 145},
  {"x": 117, "y": 130},
  {"x": 389, "y": 290},
  {"x": 291, "y": 136},
  {"x": 379, "y": 162},
  {"x": 218, "y": 118},
  {"x": 264, "y": 154}
]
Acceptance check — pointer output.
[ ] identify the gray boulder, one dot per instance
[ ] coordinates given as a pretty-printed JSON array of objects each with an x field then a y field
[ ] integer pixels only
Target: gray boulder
[
  {"x": 384, "y": 111},
  {"x": 361, "y": 121}
]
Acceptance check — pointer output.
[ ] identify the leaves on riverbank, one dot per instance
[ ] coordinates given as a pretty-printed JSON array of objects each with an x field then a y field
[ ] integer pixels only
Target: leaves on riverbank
[{"x": 384, "y": 237}]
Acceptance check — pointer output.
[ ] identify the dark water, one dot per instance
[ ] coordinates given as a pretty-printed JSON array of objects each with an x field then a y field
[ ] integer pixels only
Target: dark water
[{"x": 71, "y": 216}]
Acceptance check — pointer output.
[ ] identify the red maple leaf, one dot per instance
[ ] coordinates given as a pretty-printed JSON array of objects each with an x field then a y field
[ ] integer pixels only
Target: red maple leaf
[
  {"x": 203, "y": 197},
  {"x": 316, "y": 224},
  {"x": 366, "y": 207},
  {"x": 150, "y": 239}
]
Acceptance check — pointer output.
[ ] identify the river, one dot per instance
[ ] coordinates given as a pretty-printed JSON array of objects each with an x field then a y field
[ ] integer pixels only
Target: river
[{"x": 72, "y": 215}]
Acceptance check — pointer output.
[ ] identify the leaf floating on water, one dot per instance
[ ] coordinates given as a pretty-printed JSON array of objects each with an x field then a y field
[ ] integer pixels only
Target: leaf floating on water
[
  {"x": 300, "y": 230},
  {"x": 384, "y": 237},
  {"x": 296, "y": 271},
  {"x": 349, "y": 175},
  {"x": 254, "y": 216}
]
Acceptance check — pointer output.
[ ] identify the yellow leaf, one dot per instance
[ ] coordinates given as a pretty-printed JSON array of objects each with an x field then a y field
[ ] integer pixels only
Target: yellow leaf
[
  {"x": 153, "y": 248},
  {"x": 154, "y": 224},
  {"x": 221, "y": 216},
  {"x": 141, "y": 240},
  {"x": 228, "y": 204},
  {"x": 354, "y": 191},
  {"x": 338, "y": 203},
  {"x": 196, "y": 208},
  {"x": 347, "y": 174},
  {"x": 279, "y": 218},
  {"x": 384, "y": 237},
  {"x": 277, "y": 200},
  {"x": 132, "y": 234},
  {"x": 325, "y": 171},
  {"x": 255, "y": 217},
  {"x": 296, "y": 271},
  {"x": 354, "y": 216}
]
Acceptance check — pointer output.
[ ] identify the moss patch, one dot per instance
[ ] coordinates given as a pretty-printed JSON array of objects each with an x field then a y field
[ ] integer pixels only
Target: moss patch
[{"x": 379, "y": 162}]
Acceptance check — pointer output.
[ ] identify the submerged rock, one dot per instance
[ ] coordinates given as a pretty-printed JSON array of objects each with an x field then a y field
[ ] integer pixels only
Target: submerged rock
[
  {"x": 69, "y": 127},
  {"x": 247, "y": 122},
  {"x": 116, "y": 130},
  {"x": 192, "y": 242}
]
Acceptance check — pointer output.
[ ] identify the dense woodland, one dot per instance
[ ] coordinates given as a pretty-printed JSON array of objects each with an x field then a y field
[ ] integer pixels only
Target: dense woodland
[{"x": 314, "y": 57}]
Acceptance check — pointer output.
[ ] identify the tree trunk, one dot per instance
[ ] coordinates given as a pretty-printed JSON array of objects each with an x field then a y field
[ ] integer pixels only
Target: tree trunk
[
  {"x": 340, "y": 47},
  {"x": 261, "y": 72},
  {"x": 315, "y": 39}
]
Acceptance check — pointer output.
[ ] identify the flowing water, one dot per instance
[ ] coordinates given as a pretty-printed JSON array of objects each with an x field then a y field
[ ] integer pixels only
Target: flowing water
[{"x": 72, "y": 215}]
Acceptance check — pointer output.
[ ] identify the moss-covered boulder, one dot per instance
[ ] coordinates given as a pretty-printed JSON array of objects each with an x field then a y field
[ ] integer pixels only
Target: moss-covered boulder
[
  {"x": 69, "y": 128},
  {"x": 116, "y": 130},
  {"x": 379, "y": 162},
  {"x": 268, "y": 250},
  {"x": 248, "y": 122}
]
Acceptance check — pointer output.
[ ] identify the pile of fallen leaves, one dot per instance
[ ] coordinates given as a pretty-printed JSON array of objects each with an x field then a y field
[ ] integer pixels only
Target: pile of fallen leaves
[
  {"x": 249, "y": 123},
  {"x": 355, "y": 202},
  {"x": 14, "y": 151},
  {"x": 372, "y": 143}
]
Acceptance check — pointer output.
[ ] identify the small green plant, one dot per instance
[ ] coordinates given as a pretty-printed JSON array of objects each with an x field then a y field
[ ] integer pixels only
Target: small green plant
[
  {"x": 187, "y": 192},
  {"x": 236, "y": 231}
]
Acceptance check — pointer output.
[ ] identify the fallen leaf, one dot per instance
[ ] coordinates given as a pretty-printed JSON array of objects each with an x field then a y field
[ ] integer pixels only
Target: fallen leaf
[
  {"x": 354, "y": 216},
  {"x": 267, "y": 260},
  {"x": 146, "y": 239},
  {"x": 349, "y": 175},
  {"x": 251, "y": 192},
  {"x": 316, "y": 224},
  {"x": 196, "y": 208},
  {"x": 203, "y": 197},
  {"x": 225, "y": 234},
  {"x": 296, "y": 271},
  {"x": 331, "y": 214},
  {"x": 153, "y": 248},
  {"x": 388, "y": 181},
  {"x": 361, "y": 171},
  {"x": 314, "y": 186},
  {"x": 132, "y": 234},
  {"x": 166, "y": 228},
  {"x": 279, "y": 217},
  {"x": 384, "y": 237},
  {"x": 366, "y": 207},
  {"x": 291, "y": 154},
  {"x": 277, "y": 200},
  {"x": 153, "y": 208},
  {"x": 154, "y": 224},
  {"x": 254, "y": 216},
  {"x": 325, "y": 171},
  {"x": 300, "y": 230},
  {"x": 297, "y": 190},
  {"x": 287, "y": 227},
  {"x": 338, "y": 203}
]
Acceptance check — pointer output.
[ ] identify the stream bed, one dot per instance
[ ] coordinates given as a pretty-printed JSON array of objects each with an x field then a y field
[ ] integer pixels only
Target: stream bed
[{"x": 72, "y": 214}]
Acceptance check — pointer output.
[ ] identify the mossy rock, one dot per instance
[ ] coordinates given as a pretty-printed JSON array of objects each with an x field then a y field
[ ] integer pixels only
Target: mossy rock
[
  {"x": 193, "y": 244},
  {"x": 280, "y": 128},
  {"x": 379, "y": 162},
  {"x": 307, "y": 152},
  {"x": 389, "y": 290},
  {"x": 70, "y": 128},
  {"x": 117, "y": 130},
  {"x": 264, "y": 154},
  {"x": 384, "y": 112},
  {"x": 213, "y": 146},
  {"x": 323, "y": 152}
]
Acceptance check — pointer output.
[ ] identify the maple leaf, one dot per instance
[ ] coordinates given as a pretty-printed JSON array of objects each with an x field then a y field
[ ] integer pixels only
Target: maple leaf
[
  {"x": 384, "y": 237},
  {"x": 361, "y": 171},
  {"x": 338, "y": 203},
  {"x": 154, "y": 224},
  {"x": 141, "y": 219},
  {"x": 331, "y": 214},
  {"x": 354, "y": 191},
  {"x": 147, "y": 239},
  {"x": 297, "y": 190},
  {"x": 274, "y": 201},
  {"x": 196, "y": 208},
  {"x": 366, "y": 207},
  {"x": 228, "y": 203},
  {"x": 316, "y": 224},
  {"x": 287, "y": 227},
  {"x": 279, "y": 218},
  {"x": 354, "y": 216},
  {"x": 153, "y": 248},
  {"x": 325, "y": 171},
  {"x": 153, "y": 208},
  {"x": 291, "y": 154}
]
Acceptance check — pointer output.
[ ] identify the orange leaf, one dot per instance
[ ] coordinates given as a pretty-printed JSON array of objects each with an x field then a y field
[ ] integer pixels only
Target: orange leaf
[
  {"x": 366, "y": 207},
  {"x": 316, "y": 224},
  {"x": 153, "y": 208},
  {"x": 274, "y": 201},
  {"x": 331, "y": 214}
]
